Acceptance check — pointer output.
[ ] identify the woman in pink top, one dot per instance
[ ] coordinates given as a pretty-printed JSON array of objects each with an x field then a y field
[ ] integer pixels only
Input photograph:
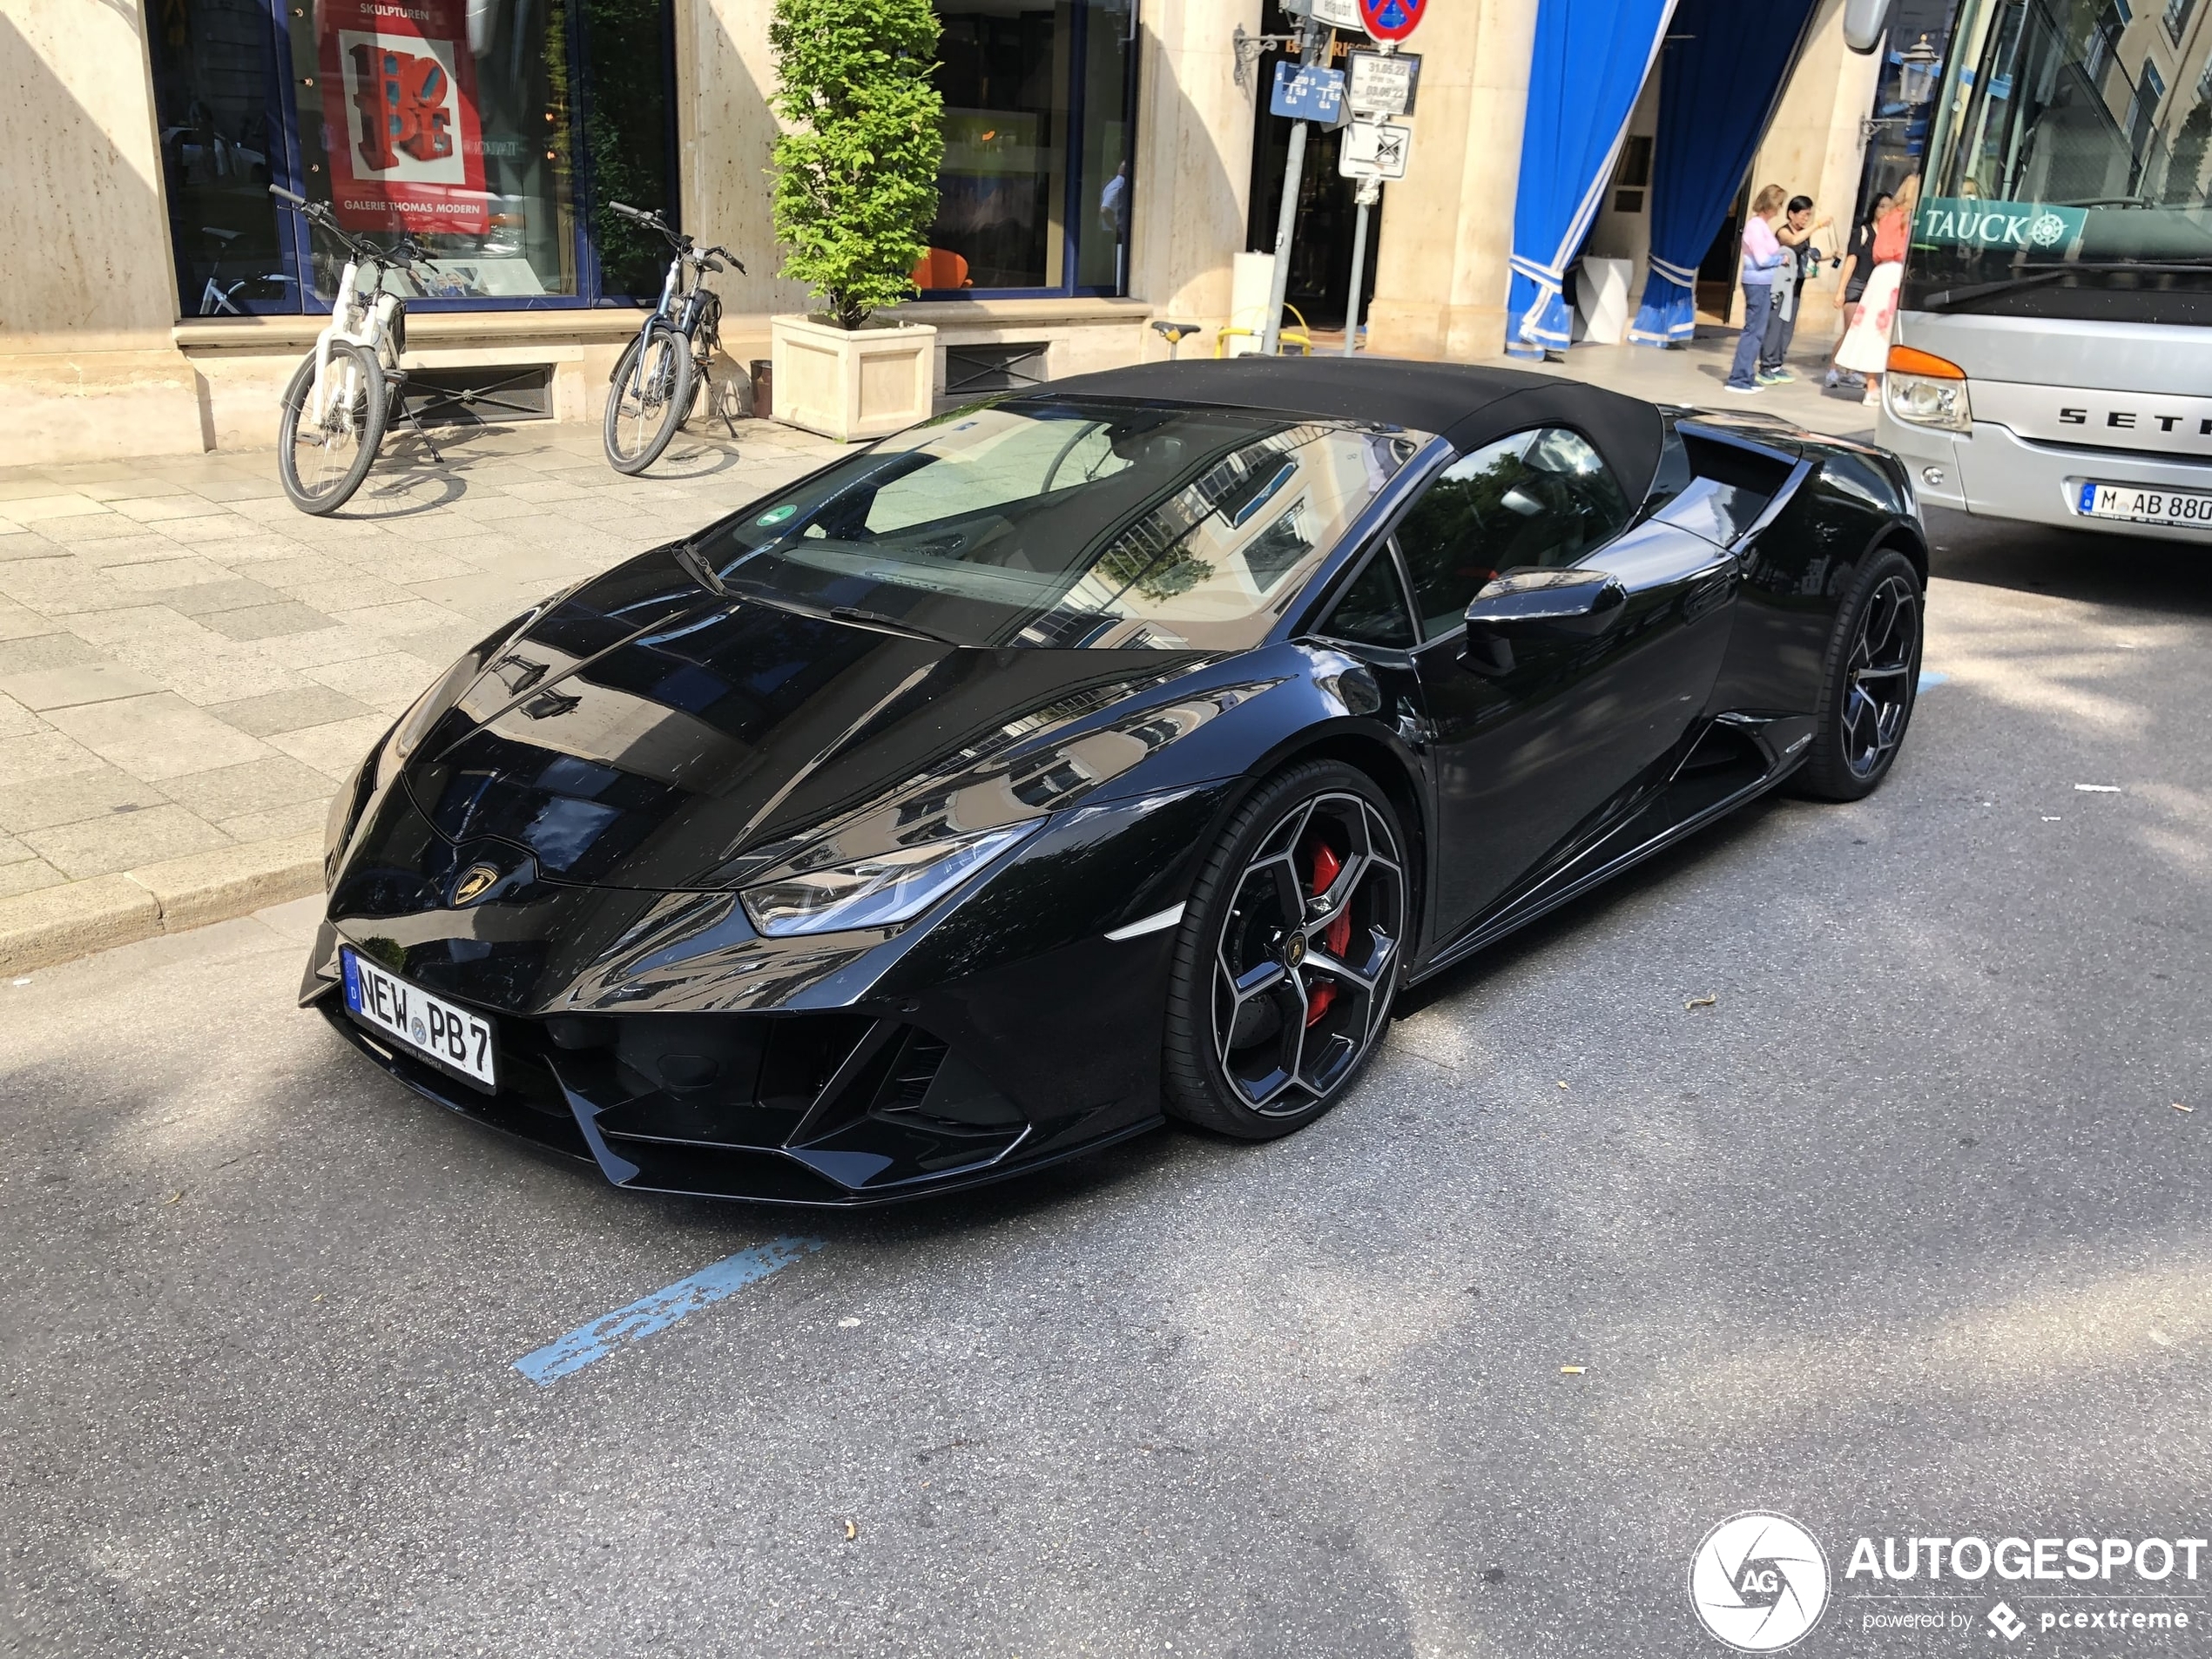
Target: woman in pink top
[
  {"x": 1867, "y": 345},
  {"x": 1763, "y": 257}
]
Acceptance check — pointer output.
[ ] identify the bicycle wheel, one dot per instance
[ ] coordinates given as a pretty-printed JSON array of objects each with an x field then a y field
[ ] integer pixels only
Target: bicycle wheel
[
  {"x": 322, "y": 460},
  {"x": 650, "y": 394}
]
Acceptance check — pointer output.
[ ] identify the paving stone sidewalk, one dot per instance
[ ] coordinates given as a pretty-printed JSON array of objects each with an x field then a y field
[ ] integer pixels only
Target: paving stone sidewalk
[{"x": 189, "y": 665}]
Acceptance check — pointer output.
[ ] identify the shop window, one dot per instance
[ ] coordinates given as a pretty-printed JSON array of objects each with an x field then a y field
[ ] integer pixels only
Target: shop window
[
  {"x": 473, "y": 124},
  {"x": 2142, "y": 112},
  {"x": 1034, "y": 193},
  {"x": 215, "y": 81}
]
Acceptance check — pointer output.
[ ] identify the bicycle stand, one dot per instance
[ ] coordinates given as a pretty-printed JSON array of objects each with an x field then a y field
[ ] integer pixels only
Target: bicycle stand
[{"x": 415, "y": 421}]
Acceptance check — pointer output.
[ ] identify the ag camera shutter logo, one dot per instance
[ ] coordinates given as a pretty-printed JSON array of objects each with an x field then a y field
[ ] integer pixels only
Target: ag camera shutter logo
[
  {"x": 2046, "y": 230},
  {"x": 1758, "y": 1583}
]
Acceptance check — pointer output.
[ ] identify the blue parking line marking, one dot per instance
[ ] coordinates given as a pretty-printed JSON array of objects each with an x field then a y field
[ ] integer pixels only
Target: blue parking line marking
[
  {"x": 588, "y": 1343},
  {"x": 1930, "y": 678}
]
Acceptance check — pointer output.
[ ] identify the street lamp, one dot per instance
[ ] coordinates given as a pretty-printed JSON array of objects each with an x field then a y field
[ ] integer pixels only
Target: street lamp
[
  {"x": 1916, "y": 74},
  {"x": 1918, "y": 69}
]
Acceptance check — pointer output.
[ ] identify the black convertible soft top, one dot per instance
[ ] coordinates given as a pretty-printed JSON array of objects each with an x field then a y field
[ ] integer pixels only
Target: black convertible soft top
[{"x": 1467, "y": 406}]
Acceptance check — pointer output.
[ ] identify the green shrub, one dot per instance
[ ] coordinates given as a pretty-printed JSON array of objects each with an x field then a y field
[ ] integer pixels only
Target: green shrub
[{"x": 856, "y": 174}]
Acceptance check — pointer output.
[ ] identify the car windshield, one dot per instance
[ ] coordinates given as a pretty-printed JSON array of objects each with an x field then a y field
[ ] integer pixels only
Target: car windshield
[
  {"x": 1042, "y": 523},
  {"x": 2069, "y": 175}
]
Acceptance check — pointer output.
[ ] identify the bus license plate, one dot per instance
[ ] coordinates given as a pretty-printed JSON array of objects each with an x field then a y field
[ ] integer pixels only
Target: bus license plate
[
  {"x": 458, "y": 1041},
  {"x": 2138, "y": 506}
]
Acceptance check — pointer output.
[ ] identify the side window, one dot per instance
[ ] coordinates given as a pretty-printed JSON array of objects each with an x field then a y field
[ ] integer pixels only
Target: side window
[
  {"x": 1542, "y": 498},
  {"x": 1372, "y": 610}
]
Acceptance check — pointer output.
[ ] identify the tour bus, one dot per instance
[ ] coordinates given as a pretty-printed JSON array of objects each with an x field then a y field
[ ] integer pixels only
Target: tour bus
[{"x": 2052, "y": 359}]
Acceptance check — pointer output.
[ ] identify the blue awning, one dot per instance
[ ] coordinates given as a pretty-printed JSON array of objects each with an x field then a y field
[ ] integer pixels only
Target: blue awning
[{"x": 1591, "y": 60}]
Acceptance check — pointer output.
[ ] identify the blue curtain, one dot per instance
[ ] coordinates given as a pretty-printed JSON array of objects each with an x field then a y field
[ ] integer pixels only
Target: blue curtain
[
  {"x": 1718, "y": 84},
  {"x": 1591, "y": 60}
]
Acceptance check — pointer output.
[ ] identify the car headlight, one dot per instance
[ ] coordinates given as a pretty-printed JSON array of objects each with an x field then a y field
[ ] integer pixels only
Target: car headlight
[
  {"x": 1924, "y": 402},
  {"x": 876, "y": 892},
  {"x": 1924, "y": 389}
]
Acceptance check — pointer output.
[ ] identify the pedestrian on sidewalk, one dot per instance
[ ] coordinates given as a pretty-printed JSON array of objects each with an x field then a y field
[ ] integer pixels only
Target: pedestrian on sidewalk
[
  {"x": 1795, "y": 234},
  {"x": 1763, "y": 257},
  {"x": 1857, "y": 264},
  {"x": 1867, "y": 345}
]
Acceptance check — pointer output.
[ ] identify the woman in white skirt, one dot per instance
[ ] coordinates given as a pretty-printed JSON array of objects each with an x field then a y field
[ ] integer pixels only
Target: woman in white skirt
[{"x": 1867, "y": 345}]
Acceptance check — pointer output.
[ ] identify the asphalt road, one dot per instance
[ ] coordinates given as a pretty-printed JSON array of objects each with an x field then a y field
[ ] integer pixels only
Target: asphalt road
[{"x": 1901, "y": 1235}]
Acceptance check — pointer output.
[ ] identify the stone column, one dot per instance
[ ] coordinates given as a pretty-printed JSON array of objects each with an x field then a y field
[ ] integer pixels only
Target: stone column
[
  {"x": 726, "y": 136},
  {"x": 1194, "y": 162},
  {"x": 1814, "y": 149},
  {"x": 88, "y": 288},
  {"x": 1440, "y": 276}
]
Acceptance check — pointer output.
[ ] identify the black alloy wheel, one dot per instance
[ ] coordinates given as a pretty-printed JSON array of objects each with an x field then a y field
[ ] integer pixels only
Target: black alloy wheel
[
  {"x": 1289, "y": 955},
  {"x": 1872, "y": 680}
]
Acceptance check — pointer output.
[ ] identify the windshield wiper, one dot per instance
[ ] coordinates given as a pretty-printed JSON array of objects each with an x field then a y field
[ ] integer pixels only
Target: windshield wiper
[
  {"x": 696, "y": 567},
  {"x": 898, "y": 625},
  {"x": 1951, "y": 298},
  {"x": 761, "y": 593}
]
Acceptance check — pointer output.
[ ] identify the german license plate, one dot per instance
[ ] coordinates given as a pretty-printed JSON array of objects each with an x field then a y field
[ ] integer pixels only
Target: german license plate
[
  {"x": 2140, "y": 506},
  {"x": 459, "y": 1042}
]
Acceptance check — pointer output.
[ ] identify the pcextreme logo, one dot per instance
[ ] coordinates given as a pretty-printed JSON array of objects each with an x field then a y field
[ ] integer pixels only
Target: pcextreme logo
[{"x": 1758, "y": 1583}]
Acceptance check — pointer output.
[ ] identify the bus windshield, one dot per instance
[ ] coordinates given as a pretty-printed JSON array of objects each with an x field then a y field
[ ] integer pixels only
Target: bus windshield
[{"x": 2067, "y": 174}]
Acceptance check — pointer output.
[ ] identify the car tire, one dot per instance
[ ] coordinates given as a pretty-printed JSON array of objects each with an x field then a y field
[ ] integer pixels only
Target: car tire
[
  {"x": 1869, "y": 682},
  {"x": 1264, "y": 1035}
]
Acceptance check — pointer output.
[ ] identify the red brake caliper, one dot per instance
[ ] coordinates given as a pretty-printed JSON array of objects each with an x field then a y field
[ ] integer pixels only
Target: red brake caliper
[{"x": 1337, "y": 936}]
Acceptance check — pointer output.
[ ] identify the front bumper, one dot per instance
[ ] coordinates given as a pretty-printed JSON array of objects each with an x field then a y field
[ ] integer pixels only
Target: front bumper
[
  {"x": 897, "y": 1116},
  {"x": 659, "y": 1037},
  {"x": 1994, "y": 474}
]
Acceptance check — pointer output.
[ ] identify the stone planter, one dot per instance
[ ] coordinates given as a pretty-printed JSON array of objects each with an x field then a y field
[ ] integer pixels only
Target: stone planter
[{"x": 856, "y": 383}]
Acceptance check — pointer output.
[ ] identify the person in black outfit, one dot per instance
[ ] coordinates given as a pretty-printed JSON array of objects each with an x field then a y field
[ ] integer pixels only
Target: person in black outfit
[
  {"x": 1795, "y": 234},
  {"x": 1858, "y": 264}
]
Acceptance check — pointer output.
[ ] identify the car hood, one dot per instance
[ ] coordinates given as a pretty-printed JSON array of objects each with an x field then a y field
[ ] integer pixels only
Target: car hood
[{"x": 669, "y": 739}]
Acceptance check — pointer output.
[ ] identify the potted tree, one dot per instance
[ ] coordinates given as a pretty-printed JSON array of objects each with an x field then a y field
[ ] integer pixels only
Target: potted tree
[{"x": 855, "y": 192}]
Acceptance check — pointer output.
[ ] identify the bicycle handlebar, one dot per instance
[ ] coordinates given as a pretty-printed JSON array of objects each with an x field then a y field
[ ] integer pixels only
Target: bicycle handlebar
[
  {"x": 404, "y": 254},
  {"x": 407, "y": 252},
  {"x": 703, "y": 257}
]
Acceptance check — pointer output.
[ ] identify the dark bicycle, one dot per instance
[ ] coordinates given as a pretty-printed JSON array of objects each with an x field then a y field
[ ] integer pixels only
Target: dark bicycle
[{"x": 651, "y": 392}]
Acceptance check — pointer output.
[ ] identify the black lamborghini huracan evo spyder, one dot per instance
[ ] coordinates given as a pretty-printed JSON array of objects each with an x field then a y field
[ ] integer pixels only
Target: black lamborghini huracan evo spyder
[{"x": 1093, "y": 755}]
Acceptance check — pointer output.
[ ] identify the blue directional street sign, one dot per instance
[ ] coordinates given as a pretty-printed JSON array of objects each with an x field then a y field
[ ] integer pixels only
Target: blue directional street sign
[{"x": 1303, "y": 92}]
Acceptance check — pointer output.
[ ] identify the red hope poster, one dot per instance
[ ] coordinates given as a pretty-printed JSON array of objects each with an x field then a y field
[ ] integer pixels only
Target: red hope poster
[{"x": 399, "y": 110}]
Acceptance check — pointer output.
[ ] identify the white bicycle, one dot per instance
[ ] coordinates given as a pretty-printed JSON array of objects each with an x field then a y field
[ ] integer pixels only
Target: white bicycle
[{"x": 340, "y": 398}]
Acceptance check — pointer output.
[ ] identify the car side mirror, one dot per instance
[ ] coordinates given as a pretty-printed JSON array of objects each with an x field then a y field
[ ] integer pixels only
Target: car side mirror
[
  {"x": 1546, "y": 596},
  {"x": 1530, "y": 602}
]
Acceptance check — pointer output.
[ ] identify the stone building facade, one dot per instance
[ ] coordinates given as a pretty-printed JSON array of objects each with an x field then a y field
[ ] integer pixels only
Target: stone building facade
[{"x": 1107, "y": 161}]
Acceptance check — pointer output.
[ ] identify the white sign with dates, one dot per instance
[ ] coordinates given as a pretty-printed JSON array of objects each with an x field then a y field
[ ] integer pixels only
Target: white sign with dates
[{"x": 1382, "y": 83}]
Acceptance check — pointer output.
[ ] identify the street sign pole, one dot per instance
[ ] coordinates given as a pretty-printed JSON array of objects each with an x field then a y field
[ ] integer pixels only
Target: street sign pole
[
  {"x": 1318, "y": 40},
  {"x": 1370, "y": 193}
]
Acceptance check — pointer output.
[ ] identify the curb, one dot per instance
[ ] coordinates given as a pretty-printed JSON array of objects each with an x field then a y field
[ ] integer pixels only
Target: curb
[{"x": 53, "y": 925}]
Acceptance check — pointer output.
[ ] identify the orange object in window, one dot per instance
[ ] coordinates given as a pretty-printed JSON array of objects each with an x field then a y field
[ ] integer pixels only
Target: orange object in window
[
  {"x": 1906, "y": 360},
  {"x": 941, "y": 268}
]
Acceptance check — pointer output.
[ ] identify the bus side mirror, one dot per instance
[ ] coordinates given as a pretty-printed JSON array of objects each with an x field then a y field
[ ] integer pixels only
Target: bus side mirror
[{"x": 1864, "y": 20}]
